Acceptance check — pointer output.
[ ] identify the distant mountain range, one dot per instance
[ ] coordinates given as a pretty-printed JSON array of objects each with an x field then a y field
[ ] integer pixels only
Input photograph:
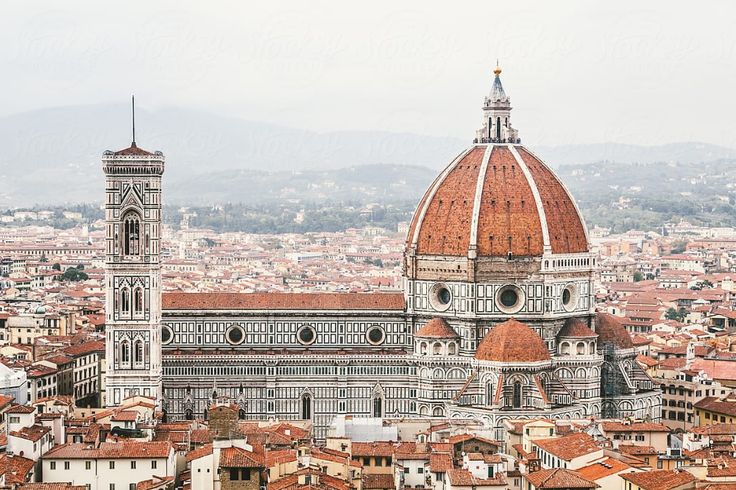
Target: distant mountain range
[
  {"x": 692, "y": 152},
  {"x": 52, "y": 156}
]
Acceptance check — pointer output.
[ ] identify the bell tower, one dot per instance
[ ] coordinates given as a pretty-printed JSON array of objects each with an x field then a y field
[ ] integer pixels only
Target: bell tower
[{"x": 133, "y": 272}]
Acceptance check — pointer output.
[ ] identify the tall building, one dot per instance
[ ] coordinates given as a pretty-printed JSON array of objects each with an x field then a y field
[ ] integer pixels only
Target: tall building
[
  {"x": 496, "y": 320},
  {"x": 133, "y": 272}
]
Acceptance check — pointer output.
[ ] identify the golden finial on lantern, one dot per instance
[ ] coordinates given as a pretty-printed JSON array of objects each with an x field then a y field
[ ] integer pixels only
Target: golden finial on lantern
[{"x": 497, "y": 70}]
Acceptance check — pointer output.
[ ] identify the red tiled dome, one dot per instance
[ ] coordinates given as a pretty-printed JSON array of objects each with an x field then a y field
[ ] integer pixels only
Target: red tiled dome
[
  {"x": 576, "y": 327},
  {"x": 496, "y": 198},
  {"x": 512, "y": 341},
  {"x": 437, "y": 328},
  {"x": 611, "y": 330}
]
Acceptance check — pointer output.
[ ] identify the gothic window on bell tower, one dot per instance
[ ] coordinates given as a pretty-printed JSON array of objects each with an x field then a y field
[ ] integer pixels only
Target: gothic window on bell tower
[
  {"x": 138, "y": 301},
  {"x": 125, "y": 353},
  {"x": 125, "y": 301},
  {"x": 138, "y": 353},
  {"x": 131, "y": 234}
]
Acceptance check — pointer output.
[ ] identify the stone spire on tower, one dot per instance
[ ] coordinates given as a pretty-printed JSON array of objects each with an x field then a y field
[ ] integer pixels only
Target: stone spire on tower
[{"x": 496, "y": 126}]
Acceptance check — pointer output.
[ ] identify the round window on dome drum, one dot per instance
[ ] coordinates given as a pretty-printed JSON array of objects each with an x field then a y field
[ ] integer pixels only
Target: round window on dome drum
[
  {"x": 509, "y": 299},
  {"x": 440, "y": 297},
  {"x": 375, "y": 335},
  {"x": 166, "y": 334},
  {"x": 569, "y": 297},
  {"x": 235, "y": 335},
  {"x": 306, "y": 335}
]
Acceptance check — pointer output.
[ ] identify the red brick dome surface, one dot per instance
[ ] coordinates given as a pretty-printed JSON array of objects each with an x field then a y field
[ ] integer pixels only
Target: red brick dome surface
[
  {"x": 437, "y": 328},
  {"x": 610, "y": 330},
  {"x": 576, "y": 327},
  {"x": 495, "y": 199},
  {"x": 512, "y": 341}
]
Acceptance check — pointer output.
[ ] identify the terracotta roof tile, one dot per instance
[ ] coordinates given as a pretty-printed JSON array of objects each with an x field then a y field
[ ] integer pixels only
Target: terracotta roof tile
[
  {"x": 717, "y": 405},
  {"x": 377, "y": 482},
  {"x": 512, "y": 341},
  {"x": 445, "y": 229},
  {"x": 440, "y": 462},
  {"x": 283, "y": 301},
  {"x": 437, "y": 328},
  {"x": 133, "y": 150},
  {"x": 566, "y": 228},
  {"x": 602, "y": 469},
  {"x": 508, "y": 219},
  {"x": 576, "y": 327},
  {"x": 111, "y": 450},
  {"x": 634, "y": 427},
  {"x": 377, "y": 448},
  {"x": 558, "y": 478},
  {"x": 508, "y": 210},
  {"x": 463, "y": 478},
  {"x": 611, "y": 330},
  {"x": 236, "y": 457},
  {"x": 659, "y": 479},
  {"x": 570, "y": 446}
]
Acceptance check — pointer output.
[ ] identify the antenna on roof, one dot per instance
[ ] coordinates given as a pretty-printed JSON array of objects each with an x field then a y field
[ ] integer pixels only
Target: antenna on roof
[{"x": 132, "y": 102}]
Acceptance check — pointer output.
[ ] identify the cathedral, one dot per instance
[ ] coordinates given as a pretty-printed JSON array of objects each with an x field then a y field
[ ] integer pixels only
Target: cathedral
[{"x": 496, "y": 320}]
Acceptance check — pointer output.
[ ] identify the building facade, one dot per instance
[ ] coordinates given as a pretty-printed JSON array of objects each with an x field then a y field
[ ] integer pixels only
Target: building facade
[{"x": 496, "y": 320}]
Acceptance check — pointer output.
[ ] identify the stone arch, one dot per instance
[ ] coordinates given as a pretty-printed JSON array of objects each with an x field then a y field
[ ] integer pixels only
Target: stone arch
[
  {"x": 423, "y": 410},
  {"x": 437, "y": 349},
  {"x": 564, "y": 373},
  {"x": 438, "y": 412},
  {"x": 565, "y": 348},
  {"x": 438, "y": 373},
  {"x": 580, "y": 373},
  {"x": 580, "y": 348}
]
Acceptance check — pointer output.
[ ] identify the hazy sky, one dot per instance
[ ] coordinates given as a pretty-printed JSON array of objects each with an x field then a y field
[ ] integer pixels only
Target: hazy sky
[{"x": 577, "y": 72}]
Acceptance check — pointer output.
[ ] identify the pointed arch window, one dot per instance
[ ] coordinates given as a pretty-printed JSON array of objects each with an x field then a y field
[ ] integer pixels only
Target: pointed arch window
[
  {"x": 131, "y": 234},
  {"x": 138, "y": 301},
  {"x": 516, "y": 399},
  {"x": 125, "y": 352},
  {"x": 138, "y": 353},
  {"x": 188, "y": 414},
  {"x": 125, "y": 300},
  {"x": 377, "y": 406},
  {"x": 498, "y": 128},
  {"x": 306, "y": 407}
]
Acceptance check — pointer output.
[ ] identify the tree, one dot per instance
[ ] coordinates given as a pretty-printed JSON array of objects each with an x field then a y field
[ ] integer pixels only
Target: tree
[
  {"x": 677, "y": 315},
  {"x": 638, "y": 276},
  {"x": 56, "y": 266},
  {"x": 73, "y": 274}
]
